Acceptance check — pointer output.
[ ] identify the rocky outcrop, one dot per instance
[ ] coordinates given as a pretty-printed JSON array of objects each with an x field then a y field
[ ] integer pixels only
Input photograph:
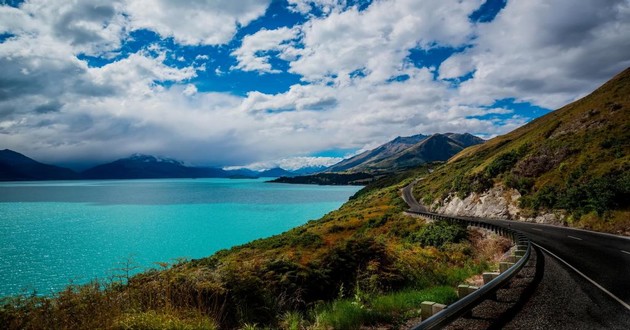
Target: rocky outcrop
[{"x": 496, "y": 203}]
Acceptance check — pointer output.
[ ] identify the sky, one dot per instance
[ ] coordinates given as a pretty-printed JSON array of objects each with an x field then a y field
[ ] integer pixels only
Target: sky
[{"x": 262, "y": 83}]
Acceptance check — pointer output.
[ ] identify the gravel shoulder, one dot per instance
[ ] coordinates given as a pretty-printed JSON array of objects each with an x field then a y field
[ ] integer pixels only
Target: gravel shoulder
[{"x": 547, "y": 295}]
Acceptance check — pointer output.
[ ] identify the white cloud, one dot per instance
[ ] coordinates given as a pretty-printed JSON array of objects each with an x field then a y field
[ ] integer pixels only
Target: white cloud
[
  {"x": 253, "y": 54},
  {"x": 193, "y": 22},
  {"x": 54, "y": 106},
  {"x": 545, "y": 52},
  {"x": 290, "y": 164},
  {"x": 378, "y": 39},
  {"x": 326, "y": 6},
  {"x": 190, "y": 90},
  {"x": 93, "y": 27}
]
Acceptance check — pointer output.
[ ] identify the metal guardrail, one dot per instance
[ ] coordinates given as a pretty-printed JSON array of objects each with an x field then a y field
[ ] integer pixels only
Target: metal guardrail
[{"x": 467, "y": 303}]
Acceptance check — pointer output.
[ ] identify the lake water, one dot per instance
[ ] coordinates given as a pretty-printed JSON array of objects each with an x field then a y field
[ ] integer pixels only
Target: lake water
[{"x": 52, "y": 233}]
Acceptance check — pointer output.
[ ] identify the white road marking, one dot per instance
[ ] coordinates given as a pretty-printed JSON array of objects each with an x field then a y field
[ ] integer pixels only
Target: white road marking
[
  {"x": 577, "y": 238},
  {"x": 537, "y": 229},
  {"x": 626, "y": 252},
  {"x": 623, "y": 303}
]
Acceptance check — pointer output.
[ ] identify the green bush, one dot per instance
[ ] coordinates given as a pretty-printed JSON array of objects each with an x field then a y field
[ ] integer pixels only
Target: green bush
[
  {"x": 390, "y": 308},
  {"x": 439, "y": 233},
  {"x": 502, "y": 163}
]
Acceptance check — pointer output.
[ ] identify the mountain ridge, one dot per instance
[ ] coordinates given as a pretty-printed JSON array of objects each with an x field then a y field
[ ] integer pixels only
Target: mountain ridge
[
  {"x": 14, "y": 166},
  {"x": 407, "y": 152}
]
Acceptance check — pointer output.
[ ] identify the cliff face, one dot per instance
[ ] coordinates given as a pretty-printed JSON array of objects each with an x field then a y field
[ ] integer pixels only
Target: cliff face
[{"x": 496, "y": 203}]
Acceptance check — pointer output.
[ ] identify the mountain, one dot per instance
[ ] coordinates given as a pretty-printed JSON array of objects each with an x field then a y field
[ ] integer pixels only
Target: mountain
[
  {"x": 570, "y": 166},
  {"x": 15, "y": 166},
  {"x": 309, "y": 170},
  {"x": 437, "y": 147},
  {"x": 150, "y": 167},
  {"x": 386, "y": 150},
  {"x": 275, "y": 173},
  {"x": 465, "y": 140},
  {"x": 406, "y": 152}
]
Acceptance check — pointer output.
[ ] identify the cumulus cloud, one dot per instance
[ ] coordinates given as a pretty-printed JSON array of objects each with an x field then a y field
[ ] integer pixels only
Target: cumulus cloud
[
  {"x": 378, "y": 39},
  {"x": 253, "y": 54},
  {"x": 193, "y": 22},
  {"x": 56, "y": 107},
  {"x": 325, "y": 6},
  {"x": 545, "y": 52}
]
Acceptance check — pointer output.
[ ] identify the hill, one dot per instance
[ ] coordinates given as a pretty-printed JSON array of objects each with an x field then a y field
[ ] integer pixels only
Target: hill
[
  {"x": 15, "y": 166},
  {"x": 330, "y": 179},
  {"x": 140, "y": 166},
  {"x": 571, "y": 166},
  {"x": 407, "y": 152}
]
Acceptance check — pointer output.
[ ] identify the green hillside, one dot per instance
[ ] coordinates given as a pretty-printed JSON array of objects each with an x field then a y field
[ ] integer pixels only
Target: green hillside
[{"x": 575, "y": 160}]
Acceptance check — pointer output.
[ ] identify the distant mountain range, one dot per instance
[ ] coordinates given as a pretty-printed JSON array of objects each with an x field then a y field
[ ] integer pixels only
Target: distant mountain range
[
  {"x": 15, "y": 166},
  {"x": 406, "y": 152},
  {"x": 18, "y": 167},
  {"x": 400, "y": 153},
  {"x": 149, "y": 167}
]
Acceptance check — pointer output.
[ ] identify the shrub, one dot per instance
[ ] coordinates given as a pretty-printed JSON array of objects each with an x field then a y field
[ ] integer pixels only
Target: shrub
[
  {"x": 162, "y": 321},
  {"x": 502, "y": 163},
  {"x": 439, "y": 233}
]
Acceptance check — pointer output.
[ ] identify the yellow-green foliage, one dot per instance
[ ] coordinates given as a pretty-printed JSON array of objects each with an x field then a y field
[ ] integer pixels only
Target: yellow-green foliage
[
  {"x": 153, "y": 320},
  {"x": 576, "y": 158},
  {"x": 366, "y": 246},
  {"x": 393, "y": 308}
]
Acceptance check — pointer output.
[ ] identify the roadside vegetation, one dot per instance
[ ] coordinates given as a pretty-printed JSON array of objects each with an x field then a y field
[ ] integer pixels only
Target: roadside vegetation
[
  {"x": 575, "y": 160},
  {"x": 365, "y": 264}
]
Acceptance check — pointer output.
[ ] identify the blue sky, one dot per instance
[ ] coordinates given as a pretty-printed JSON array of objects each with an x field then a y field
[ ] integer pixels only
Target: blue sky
[{"x": 291, "y": 83}]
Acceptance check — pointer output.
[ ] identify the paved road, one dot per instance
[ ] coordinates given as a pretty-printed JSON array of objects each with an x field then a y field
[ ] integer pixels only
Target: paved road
[
  {"x": 602, "y": 258},
  {"x": 407, "y": 196}
]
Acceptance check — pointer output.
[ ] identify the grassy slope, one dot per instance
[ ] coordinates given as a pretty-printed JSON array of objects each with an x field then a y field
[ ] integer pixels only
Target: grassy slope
[
  {"x": 575, "y": 159},
  {"x": 368, "y": 249}
]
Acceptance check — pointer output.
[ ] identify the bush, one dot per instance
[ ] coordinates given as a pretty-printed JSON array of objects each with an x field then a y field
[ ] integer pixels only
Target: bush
[
  {"x": 163, "y": 321},
  {"x": 390, "y": 308},
  {"x": 439, "y": 233},
  {"x": 502, "y": 163}
]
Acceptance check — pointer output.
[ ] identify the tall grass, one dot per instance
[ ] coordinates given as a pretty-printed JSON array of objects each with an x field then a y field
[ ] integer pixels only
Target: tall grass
[{"x": 381, "y": 309}]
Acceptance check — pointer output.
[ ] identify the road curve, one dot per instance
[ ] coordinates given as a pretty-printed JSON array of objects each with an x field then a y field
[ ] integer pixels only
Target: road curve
[
  {"x": 603, "y": 259},
  {"x": 407, "y": 196}
]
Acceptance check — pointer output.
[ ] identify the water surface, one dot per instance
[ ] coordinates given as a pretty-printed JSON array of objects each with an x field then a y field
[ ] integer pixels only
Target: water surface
[{"x": 55, "y": 232}]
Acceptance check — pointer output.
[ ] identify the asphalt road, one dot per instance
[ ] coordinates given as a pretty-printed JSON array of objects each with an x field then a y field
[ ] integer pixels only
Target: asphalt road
[
  {"x": 407, "y": 195},
  {"x": 603, "y": 259}
]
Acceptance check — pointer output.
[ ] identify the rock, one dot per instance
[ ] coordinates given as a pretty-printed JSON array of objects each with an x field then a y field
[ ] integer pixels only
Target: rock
[{"x": 496, "y": 203}]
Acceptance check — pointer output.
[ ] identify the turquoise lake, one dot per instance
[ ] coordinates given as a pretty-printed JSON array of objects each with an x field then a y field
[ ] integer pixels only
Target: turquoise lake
[{"x": 52, "y": 233}]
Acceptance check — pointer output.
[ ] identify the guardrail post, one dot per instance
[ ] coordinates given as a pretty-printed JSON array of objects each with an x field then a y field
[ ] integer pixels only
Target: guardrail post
[
  {"x": 426, "y": 309},
  {"x": 436, "y": 308},
  {"x": 489, "y": 276},
  {"x": 504, "y": 266},
  {"x": 462, "y": 291}
]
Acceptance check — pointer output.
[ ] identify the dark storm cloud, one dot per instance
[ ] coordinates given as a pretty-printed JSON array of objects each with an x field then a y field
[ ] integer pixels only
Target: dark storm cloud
[
  {"x": 74, "y": 24},
  {"x": 52, "y": 106}
]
